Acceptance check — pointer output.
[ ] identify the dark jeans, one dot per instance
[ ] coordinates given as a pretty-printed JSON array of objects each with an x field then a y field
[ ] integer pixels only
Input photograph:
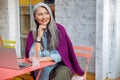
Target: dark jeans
[{"x": 62, "y": 72}]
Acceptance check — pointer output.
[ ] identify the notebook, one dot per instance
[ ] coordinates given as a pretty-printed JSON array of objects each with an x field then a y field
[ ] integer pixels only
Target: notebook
[{"x": 8, "y": 59}]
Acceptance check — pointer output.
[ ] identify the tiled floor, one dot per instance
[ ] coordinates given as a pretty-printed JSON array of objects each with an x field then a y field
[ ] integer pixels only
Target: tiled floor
[
  {"x": 118, "y": 78},
  {"x": 91, "y": 76}
]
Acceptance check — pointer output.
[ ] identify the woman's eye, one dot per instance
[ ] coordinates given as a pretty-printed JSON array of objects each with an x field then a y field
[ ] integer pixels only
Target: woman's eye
[
  {"x": 47, "y": 13},
  {"x": 39, "y": 14}
]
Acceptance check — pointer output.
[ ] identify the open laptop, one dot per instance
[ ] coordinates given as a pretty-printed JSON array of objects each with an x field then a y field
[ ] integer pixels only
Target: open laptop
[{"x": 8, "y": 59}]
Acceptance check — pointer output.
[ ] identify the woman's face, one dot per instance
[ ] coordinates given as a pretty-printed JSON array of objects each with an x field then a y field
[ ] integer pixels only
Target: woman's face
[{"x": 42, "y": 16}]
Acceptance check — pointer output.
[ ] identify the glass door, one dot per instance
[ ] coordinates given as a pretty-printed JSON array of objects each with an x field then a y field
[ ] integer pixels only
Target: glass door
[{"x": 24, "y": 7}]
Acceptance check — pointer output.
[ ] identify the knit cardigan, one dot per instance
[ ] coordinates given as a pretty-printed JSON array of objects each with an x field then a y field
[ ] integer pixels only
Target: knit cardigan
[{"x": 64, "y": 47}]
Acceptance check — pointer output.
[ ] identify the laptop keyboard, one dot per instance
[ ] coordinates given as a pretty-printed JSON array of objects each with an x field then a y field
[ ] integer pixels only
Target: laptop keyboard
[{"x": 23, "y": 64}]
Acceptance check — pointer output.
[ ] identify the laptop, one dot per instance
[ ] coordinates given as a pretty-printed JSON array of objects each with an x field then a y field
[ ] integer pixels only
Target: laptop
[{"x": 8, "y": 59}]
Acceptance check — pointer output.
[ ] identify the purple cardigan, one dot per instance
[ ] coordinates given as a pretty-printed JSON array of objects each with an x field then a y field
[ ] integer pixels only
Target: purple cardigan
[{"x": 64, "y": 48}]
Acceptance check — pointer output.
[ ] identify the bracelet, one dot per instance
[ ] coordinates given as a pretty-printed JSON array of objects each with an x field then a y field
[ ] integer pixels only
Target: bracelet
[{"x": 38, "y": 41}]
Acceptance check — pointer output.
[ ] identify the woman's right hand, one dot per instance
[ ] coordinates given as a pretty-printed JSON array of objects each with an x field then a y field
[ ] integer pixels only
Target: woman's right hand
[{"x": 41, "y": 29}]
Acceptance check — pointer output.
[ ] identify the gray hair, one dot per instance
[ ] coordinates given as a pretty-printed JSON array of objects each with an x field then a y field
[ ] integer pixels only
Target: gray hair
[{"x": 53, "y": 33}]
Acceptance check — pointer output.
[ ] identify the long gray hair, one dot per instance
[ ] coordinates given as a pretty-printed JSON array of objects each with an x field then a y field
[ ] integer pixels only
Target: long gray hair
[{"x": 53, "y": 33}]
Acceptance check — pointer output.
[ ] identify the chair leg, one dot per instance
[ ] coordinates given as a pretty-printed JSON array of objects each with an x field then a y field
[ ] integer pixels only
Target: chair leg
[{"x": 32, "y": 74}]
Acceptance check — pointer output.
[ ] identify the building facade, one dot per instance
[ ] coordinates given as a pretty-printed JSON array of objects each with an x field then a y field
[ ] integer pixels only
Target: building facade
[{"x": 88, "y": 22}]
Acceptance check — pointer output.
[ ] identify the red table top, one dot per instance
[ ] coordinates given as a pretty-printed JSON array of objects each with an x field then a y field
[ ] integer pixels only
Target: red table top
[{"x": 6, "y": 73}]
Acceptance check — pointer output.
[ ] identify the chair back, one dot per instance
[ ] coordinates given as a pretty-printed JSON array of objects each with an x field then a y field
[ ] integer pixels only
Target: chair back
[
  {"x": 84, "y": 52},
  {"x": 9, "y": 43}
]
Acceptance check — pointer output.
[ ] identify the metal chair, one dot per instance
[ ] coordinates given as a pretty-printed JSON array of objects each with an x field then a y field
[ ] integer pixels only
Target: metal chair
[
  {"x": 83, "y": 52},
  {"x": 9, "y": 43}
]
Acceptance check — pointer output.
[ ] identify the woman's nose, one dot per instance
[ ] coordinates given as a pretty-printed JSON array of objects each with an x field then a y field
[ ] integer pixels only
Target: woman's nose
[{"x": 43, "y": 16}]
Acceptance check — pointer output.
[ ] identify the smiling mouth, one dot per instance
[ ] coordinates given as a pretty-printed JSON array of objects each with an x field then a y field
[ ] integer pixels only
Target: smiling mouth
[{"x": 43, "y": 21}]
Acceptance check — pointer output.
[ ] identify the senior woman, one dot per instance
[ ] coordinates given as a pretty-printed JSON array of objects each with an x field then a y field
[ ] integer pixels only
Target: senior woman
[{"x": 53, "y": 44}]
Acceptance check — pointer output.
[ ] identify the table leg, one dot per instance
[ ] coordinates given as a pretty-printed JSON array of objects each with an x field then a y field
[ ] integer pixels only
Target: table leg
[{"x": 37, "y": 78}]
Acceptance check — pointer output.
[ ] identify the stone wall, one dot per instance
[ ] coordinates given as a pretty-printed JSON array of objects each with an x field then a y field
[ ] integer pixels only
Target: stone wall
[
  {"x": 79, "y": 19},
  {"x": 94, "y": 23},
  {"x": 9, "y": 21},
  {"x": 4, "y": 29}
]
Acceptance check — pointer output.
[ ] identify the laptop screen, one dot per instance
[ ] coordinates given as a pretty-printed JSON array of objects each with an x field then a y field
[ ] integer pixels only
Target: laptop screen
[{"x": 8, "y": 58}]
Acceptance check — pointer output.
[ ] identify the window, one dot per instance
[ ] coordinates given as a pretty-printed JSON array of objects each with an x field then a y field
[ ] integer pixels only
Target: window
[
  {"x": 25, "y": 7},
  {"x": 49, "y": 1}
]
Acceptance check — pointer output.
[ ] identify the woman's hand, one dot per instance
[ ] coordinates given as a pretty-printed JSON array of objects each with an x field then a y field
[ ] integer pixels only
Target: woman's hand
[
  {"x": 41, "y": 59},
  {"x": 41, "y": 29}
]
